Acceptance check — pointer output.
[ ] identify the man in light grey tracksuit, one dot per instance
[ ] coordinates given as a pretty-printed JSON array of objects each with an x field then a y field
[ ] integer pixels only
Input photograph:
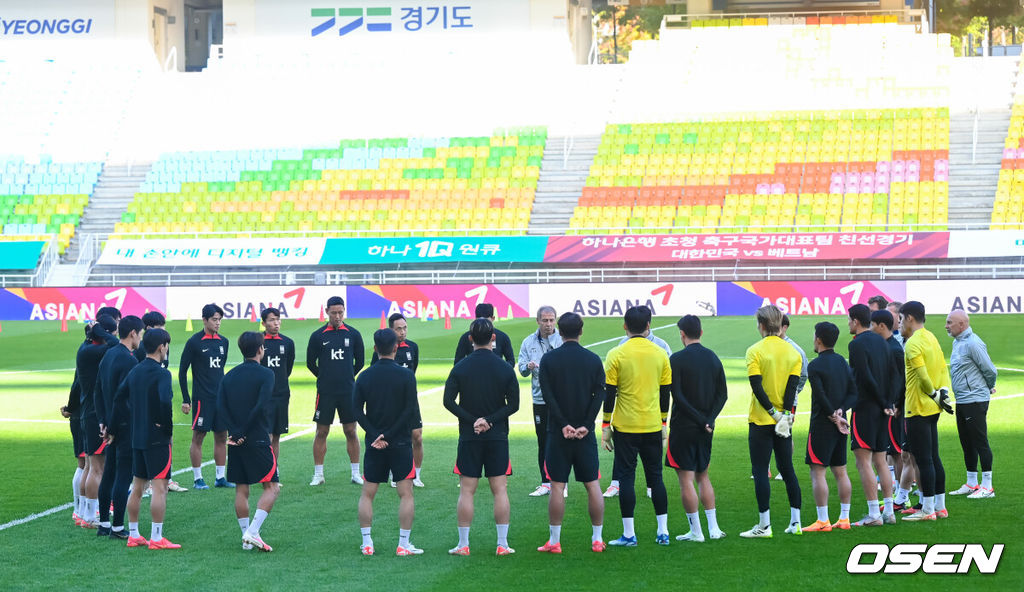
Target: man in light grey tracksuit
[
  {"x": 536, "y": 344},
  {"x": 974, "y": 381}
]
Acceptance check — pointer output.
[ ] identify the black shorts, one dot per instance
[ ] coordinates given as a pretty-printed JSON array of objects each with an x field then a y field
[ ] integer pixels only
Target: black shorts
[
  {"x": 279, "y": 419},
  {"x": 327, "y": 403},
  {"x": 152, "y": 463},
  {"x": 689, "y": 450},
  {"x": 869, "y": 430},
  {"x": 483, "y": 458},
  {"x": 580, "y": 456},
  {"x": 249, "y": 464},
  {"x": 897, "y": 435},
  {"x": 77, "y": 442},
  {"x": 91, "y": 440},
  {"x": 826, "y": 446},
  {"x": 204, "y": 415},
  {"x": 417, "y": 420},
  {"x": 393, "y": 460}
]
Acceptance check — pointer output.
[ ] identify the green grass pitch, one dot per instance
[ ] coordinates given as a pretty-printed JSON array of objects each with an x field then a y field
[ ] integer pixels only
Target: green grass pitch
[{"x": 315, "y": 531}]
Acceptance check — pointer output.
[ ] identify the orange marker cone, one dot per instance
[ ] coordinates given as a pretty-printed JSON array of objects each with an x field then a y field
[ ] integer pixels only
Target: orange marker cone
[
  {"x": 322, "y": 314},
  {"x": 252, "y": 315},
  {"x": 383, "y": 319},
  {"x": 447, "y": 322},
  {"x": 63, "y": 325},
  {"x": 1, "y": 329}
]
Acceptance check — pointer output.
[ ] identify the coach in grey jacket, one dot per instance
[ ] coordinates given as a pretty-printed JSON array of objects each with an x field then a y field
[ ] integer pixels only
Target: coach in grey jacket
[
  {"x": 974, "y": 381},
  {"x": 536, "y": 344}
]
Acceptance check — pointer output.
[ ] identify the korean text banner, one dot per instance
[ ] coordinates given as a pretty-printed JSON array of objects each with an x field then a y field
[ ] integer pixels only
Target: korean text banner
[
  {"x": 76, "y": 304},
  {"x": 612, "y": 300},
  {"x": 760, "y": 247},
  {"x": 438, "y": 301},
  {"x": 488, "y": 249},
  {"x": 804, "y": 298},
  {"x": 258, "y": 252},
  {"x": 21, "y": 254}
]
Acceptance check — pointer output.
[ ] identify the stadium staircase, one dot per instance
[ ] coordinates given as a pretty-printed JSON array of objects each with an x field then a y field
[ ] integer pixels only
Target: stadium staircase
[{"x": 561, "y": 182}]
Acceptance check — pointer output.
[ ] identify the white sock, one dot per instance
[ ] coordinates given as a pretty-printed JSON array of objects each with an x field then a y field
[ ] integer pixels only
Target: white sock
[
  {"x": 502, "y": 535},
  {"x": 822, "y": 513},
  {"x": 418, "y": 469},
  {"x": 355, "y": 469},
  {"x": 463, "y": 536},
  {"x": 222, "y": 471},
  {"x": 887, "y": 508},
  {"x": 257, "y": 521},
  {"x": 693, "y": 518},
  {"x": 986, "y": 479},
  {"x": 844, "y": 511},
  {"x": 712, "y": 516},
  {"x": 243, "y": 523},
  {"x": 972, "y": 478},
  {"x": 873, "y": 508},
  {"x": 556, "y": 534},
  {"x": 662, "y": 523},
  {"x": 367, "y": 541},
  {"x": 75, "y": 482},
  {"x": 627, "y": 528},
  {"x": 598, "y": 533},
  {"x": 105, "y": 524},
  {"x": 318, "y": 470},
  {"x": 928, "y": 504},
  {"x": 902, "y": 496},
  {"x": 940, "y": 501},
  {"x": 764, "y": 519},
  {"x": 157, "y": 531},
  {"x": 403, "y": 538},
  {"x": 133, "y": 530},
  {"x": 794, "y": 515},
  {"x": 892, "y": 471},
  {"x": 92, "y": 509},
  {"x": 197, "y": 473},
  {"x": 614, "y": 483},
  {"x": 117, "y": 528}
]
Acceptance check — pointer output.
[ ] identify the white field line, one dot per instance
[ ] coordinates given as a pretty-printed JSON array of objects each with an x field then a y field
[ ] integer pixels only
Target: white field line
[{"x": 8, "y": 372}]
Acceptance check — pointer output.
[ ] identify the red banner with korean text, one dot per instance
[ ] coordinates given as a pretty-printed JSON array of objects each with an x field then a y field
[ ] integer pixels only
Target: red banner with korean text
[{"x": 805, "y": 246}]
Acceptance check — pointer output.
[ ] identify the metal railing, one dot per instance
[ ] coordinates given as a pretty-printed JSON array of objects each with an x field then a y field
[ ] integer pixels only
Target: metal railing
[
  {"x": 548, "y": 275},
  {"x": 88, "y": 253},
  {"x": 171, "y": 61}
]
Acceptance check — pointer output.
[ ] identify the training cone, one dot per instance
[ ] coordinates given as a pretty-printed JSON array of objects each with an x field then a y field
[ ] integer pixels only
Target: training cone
[
  {"x": 188, "y": 323},
  {"x": 383, "y": 320},
  {"x": 447, "y": 322},
  {"x": 252, "y": 315},
  {"x": 509, "y": 316},
  {"x": 322, "y": 314},
  {"x": 1, "y": 329},
  {"x": 63, "y": 325}
]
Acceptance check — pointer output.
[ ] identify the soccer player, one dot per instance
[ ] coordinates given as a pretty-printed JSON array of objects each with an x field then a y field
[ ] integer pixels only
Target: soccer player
[
  {"x": 927, "y": 395},
  {"x": 87, "y": 364},
  {"x": 502, "y": 345},
  {"x": 148, "y": 392},
  {"x": 532, "y": 349},
  {"x": 699, "y": 393},
  {"x": 882, "y": 322},
  {"x": 334, "y": 356},
  {"x": 408, "y": 356},
  {"x": 387, "y": 391},
  {"x": 572, "y": 383},
  {"x": 117, "y": 468},
  {"x": 246, "y": 409},
  {"x": 156, "y": 320},
  {"x": 773, "y": 369},
  {"x": 279, "y": 356},
  {"x": 206, "y": 353},
  {"x": 488, "y": 393},
  {"x": 71, "y": 412},
  {"x": 638, "y": 382},
  {"x": 974, "y": 382},
  {"x": 833, "y": 391},
  {"x": 870, "y": 361}
]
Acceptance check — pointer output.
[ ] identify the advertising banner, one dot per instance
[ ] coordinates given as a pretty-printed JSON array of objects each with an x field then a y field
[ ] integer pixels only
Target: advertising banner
[
  {"x": 492, "y": 249},
  {"x": 239, "y": 302},
  {"x": 612, "y": 300},
  {"x": 438, "y": 301},
  {"x": 214, "y": 252},
  {"x": 76, "y": 304},
  {"x": 974, "y": 296},
  {"x": 806, "y": 246},
  {"x": 986, "y": 243},
  {"x": 56, "y": 19},
  {"x": 803, "y": 298}
]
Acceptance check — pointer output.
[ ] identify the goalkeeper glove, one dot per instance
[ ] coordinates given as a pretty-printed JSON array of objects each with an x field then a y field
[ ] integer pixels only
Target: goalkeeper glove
[
  {"x": 784, "y": 425},
  {"x": 606, "y": 438},
  {"x": 664, "y": 436},
  {"x": 942, "y": 399},
  {"x": 777, "y": 415}
]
